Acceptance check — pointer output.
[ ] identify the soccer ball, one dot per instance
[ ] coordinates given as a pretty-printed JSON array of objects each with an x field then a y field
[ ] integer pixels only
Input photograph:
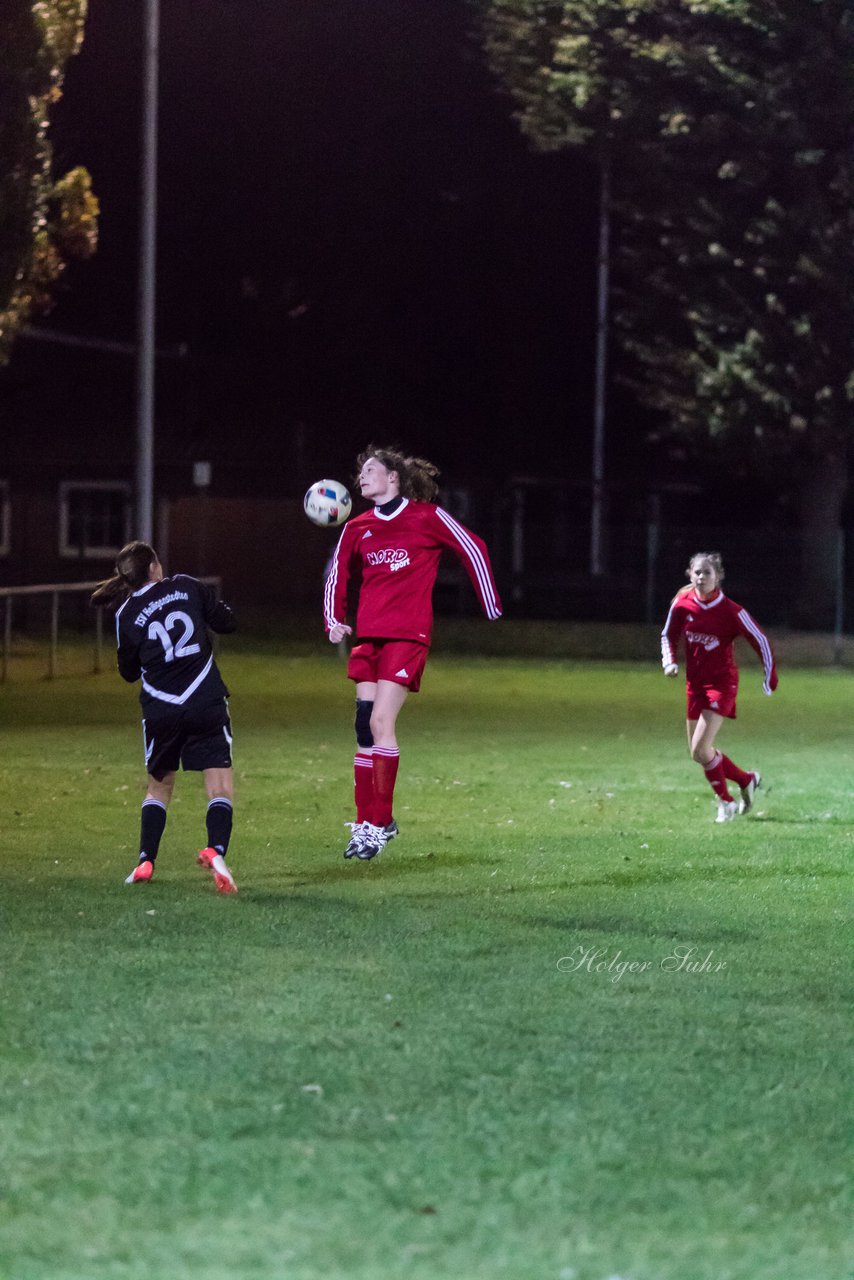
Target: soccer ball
[{"x": 327, "y": 502}]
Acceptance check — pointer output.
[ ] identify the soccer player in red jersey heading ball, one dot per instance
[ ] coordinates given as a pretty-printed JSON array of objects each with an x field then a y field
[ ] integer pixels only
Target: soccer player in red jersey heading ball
[
  {"x": 393, "y": 552},
  {"x": 709, "y": 622}
]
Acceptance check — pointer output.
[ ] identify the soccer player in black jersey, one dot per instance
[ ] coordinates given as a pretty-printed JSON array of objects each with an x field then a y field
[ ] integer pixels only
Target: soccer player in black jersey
[{"x": 162, "y": 636}]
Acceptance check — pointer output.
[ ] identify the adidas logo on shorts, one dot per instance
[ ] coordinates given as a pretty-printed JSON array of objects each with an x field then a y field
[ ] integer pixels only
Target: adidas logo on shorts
[{"x": 402, "y": 672}]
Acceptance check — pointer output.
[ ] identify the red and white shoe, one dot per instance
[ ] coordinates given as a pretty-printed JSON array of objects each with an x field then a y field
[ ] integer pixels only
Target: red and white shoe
[
  {"x": 142, "y": 873},
  {"x": 745, "y": 804},
  {"x": 215, "y": 863}
]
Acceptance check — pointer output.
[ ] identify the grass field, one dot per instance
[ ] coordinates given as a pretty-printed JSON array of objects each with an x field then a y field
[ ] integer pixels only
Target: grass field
[{"x": 414, "y": 1068}]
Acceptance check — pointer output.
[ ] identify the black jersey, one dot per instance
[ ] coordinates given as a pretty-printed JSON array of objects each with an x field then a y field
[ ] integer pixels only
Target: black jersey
[{"x": 162, "y": 637}]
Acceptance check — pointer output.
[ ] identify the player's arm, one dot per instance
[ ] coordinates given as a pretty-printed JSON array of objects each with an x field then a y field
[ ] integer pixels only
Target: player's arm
[
  {"x": 670, "y": 635},
  {"x": 218, "y": 615},
  {"x": 756, "y": 637},
  {"x": 471, "y": 551},
  {"x": 336, "y": 587},
  {"x": 130, "y": 667}
]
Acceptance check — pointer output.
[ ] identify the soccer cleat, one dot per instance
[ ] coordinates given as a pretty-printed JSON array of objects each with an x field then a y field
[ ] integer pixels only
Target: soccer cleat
[
  {"x": 215, "y": 863},
  {"x": 142, "y": 873},
  {"x": 365, "y": 831},
  {"x": 745, "y": 804},
  {"x": 727, "y": 810},
  {"x": 374, "y": 840},
  {"x": 357, "y": 828}
]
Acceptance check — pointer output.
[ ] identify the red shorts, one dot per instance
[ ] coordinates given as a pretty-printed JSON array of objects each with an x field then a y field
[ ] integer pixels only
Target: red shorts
[
  {"x": 401, "y": 661},
  {"x": 703, "y": 697}
]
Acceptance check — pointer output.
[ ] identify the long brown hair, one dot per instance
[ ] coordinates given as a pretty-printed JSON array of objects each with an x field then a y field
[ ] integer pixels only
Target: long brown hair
[
  {"x": 417, "y": 476},
  {"x": 132, "y": 565}
]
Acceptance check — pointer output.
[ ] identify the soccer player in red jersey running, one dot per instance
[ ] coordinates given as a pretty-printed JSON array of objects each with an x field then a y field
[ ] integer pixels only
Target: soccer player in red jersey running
[
  {"x": 709, "y": 622},
  {"x": 393, "y": 552}
]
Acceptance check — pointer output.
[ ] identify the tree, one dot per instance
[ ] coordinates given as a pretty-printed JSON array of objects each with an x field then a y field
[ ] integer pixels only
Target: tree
[
  {"x": 729, "y": 129},
  {"x": 43, "y": 222}
]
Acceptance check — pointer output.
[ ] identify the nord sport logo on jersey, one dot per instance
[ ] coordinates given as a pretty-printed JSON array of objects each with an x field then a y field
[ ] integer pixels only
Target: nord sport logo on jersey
[
  {"x": 394, "y": 557},
  {"x": 697, "y": 637}
]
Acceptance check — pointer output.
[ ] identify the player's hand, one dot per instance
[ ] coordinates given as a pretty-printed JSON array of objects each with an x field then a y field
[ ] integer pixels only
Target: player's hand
[
  {"x": 338, "y": 632},
  {"x": 671, "y": 669},
  {"x": 770, "y": 684}
]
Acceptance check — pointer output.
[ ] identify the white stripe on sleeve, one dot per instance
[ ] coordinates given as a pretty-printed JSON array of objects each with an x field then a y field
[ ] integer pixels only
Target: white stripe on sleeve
[
  {"x": 764, "y": 647},
  {"x": 667, "y": 658},
  {"x": 329, "y": 590},
  {"x": 477, "y": 561}
]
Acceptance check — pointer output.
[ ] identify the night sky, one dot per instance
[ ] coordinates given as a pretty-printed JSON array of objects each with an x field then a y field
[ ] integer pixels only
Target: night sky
[{"x": 353, "y": 236}]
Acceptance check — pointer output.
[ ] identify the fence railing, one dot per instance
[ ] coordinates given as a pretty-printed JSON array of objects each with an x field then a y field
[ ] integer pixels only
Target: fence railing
[{"x": 53, "y": 591}]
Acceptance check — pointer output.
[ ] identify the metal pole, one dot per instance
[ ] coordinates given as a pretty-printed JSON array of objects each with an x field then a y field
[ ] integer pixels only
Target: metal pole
[
  {"x": 54, "y": 635},
  {"x": 147, "y": 280},
  {"x": 652, "y": 530},
  {"x": 7, "y": 636},
  {"x": 99, "y": 641},
  {"x": 597, "y": 556},
  {"x": 839, "y": 612},
  {"x": 518, "y": 544}
]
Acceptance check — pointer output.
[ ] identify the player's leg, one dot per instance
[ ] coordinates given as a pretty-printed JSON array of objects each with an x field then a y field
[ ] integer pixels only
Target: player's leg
[
  {"x": 161, "y": 743},
  {"x": 363, "y": 760},
  {"x": 362, "y": 670},
  {"x": 747, "y": 781},
  {"x": 702, "y": 733},
  {"x": 363, "y": 766},
  {"x": 152, "y": 823},
  {"x": 207, "y": 750},
  {"x": 219, "y": 785},
  {"x": 400, "y": 666},
  {"x": 388, "y": 701}
]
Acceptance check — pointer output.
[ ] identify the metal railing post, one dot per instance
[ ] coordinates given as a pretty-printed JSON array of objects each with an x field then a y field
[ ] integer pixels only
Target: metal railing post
[
  {"x": 99, "y": 641},
  {"x": 7, "y": 637},
  {"x": 54, "y": 635},
  {"x": 839, "y": 611}
]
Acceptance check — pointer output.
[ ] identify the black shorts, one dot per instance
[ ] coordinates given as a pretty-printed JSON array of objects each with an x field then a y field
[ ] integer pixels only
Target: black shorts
[{"x": 196, "y": 738}]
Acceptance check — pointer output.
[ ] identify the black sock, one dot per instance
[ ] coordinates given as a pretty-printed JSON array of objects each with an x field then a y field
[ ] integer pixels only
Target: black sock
[
  {"x": 152, "y": 822},
  {"x": 219, "y": 824}
]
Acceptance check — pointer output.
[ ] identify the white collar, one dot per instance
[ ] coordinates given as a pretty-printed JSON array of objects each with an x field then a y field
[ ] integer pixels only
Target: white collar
[
  {"x": 147, "y": 587},
  {"x": 379, "y": 515},
  {"x": 709, "y": 604}
]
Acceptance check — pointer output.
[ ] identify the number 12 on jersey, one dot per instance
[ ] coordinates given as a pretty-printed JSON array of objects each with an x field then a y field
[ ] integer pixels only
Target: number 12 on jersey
[{"x": 160, "y": 631}]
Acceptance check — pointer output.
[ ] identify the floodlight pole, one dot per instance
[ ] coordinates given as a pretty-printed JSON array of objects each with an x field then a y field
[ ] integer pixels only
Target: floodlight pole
[
  {"x": 597, "y": 553},
  {"x": 147, "y": 280}
]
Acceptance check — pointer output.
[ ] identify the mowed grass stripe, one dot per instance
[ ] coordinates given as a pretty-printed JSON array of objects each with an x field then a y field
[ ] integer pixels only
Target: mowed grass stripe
[{"x": 382, "y": 1070}]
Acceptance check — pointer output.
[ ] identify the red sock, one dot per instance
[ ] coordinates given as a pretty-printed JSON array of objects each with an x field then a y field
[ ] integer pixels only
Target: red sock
[
  {"x": 736, "y": 775},
  {"x": 385, "y": 771},
  {"x": 363, "y": 777},
  {"x": 716, "y": 777}
]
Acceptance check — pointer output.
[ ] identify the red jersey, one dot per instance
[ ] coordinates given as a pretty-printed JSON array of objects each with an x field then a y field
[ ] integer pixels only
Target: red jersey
[
  {"x": 709, "y": 628},
  {"x": 398, "y": 556}
]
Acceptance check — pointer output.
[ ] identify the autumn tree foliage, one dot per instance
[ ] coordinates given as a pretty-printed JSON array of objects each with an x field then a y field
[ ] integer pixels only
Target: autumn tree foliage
[
  {"x": 44, "y": 221},
  {"x": 728, "y": 128}
]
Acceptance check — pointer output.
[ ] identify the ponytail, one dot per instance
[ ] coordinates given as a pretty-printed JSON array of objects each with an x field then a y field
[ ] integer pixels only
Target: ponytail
[{"x": 132, "y": 566}]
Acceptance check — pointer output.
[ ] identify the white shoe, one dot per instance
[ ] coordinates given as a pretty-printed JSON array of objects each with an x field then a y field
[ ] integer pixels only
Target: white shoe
[
  {"x": 374, "y": 840},
  {"x": 359, "y": 830},
  {"x": 745, "y": 804},
  {"x": 727, "y": 810}
]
